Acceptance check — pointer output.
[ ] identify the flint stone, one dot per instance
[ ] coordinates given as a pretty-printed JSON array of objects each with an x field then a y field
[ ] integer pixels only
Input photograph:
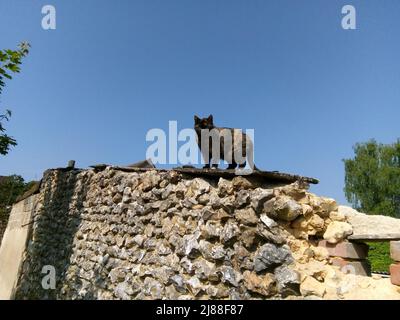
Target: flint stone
[
  {"x": 117, "y": 275},
  {"x": 203, "y": 199},
  {"x": 283, "y": 208},
  {"x": 194, "y": 285},
  {"x": 288, "y": 281},
  {"x": 273, "y": 235},
  {"x": 225, "y": 187},
  {"x": 211, "y": 252},
  {"x": 248, "y": 237},
  {"x": 205, "y": 270},
  {"x": 164, "y": 250},
  {"x": 198, "y": 187},
  {"x": 123, "y": 291},
  {"x": 190, "y": 245},
  {"x": 219, "y": 215},
  {"x": 189, "y": 203},
  {"x": 150, "y": 180},
  {"x": 229, "y": 275},
  {"x": 214, "y": 200},
  {"x": 242, "y": 198},
  {"x": 187, "y": 265},
  {"x": 228, "y": 204},
  {"x": 153, "y": 288},
  {"x": 270, "y": 256},
  {"x": 211, "y": 230},
  {"x": 171, "y": 293},
  {"x": 229, "y": 232},
  {"x": 167, "y": 192},
  {"x": 219, "y": 291},
  {"x": 270, "y": 223},
  {"x": 178, "y": 283},
  {"x": 259, "y": 196},
  {"x": 246, "y": 216}
]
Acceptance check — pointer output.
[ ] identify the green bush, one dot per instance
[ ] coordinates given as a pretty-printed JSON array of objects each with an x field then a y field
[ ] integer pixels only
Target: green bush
[{"x": 379, "y": 256}]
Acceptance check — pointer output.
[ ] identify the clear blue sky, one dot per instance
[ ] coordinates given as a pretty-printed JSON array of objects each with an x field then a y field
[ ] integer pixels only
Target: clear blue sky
[{"x": 112, "y": 70}]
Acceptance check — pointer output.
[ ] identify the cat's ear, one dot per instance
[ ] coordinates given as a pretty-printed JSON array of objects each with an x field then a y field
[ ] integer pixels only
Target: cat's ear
[
  {"x": 210, "y": 118},
  {"x": 196, "y": 119}
]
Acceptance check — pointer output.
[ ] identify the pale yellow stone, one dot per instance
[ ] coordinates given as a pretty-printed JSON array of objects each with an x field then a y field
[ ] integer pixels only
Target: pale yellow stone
[
  {"x": 311, "y": 286},
  {"x": 337, "y": 216},
  {"x": 320, "y": 253},
  {"x": 337, "y": 231}
]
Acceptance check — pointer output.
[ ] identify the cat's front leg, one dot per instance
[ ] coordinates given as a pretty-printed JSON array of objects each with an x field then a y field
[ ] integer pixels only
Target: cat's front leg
[
  {"x": 232, "y": 165},
  {"x": 208, "y": 164},
  {"x": 214, "y": 163}
]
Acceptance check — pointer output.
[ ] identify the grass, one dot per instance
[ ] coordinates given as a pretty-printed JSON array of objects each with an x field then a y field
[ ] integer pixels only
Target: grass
[{"x": 379, "y": 256}]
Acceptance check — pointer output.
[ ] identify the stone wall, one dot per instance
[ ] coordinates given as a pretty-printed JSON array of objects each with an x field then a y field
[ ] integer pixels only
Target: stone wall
[
  {"x": 163, "y": 235},
  {"x": 14, "y": 244},
  {"x": 3, "y": 225}
]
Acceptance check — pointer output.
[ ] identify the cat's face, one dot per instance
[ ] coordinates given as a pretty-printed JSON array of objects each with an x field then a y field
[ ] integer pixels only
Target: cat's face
[{"x": 204, "y": 123}]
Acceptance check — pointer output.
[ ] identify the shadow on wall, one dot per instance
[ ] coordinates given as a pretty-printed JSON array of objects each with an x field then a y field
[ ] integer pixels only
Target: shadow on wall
[
  {"x": 51, "y": 242},
  {"x": 3, "y": 223}
]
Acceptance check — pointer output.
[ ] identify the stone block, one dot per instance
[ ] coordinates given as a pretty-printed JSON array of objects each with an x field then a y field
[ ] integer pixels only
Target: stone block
[
  {"x": 395, "y": 274},
  {"x": 395, "y": 250},
  {"x": 361, "y": 267},
  {"x": 345, "y": 249}
]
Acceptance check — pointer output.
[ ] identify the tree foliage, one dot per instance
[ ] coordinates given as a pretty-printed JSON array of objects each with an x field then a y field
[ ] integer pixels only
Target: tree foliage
[
  {"x": 5, "y": 140},
  {"x": 379, "y": 256},
  {"x": 10, "y": 61},
  {"x": 372, "y": 178},
  {"x": 10, "y": 188}
]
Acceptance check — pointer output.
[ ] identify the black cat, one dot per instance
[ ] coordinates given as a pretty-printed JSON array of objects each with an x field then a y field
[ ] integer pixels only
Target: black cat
[{"x": 234, "y": 145}]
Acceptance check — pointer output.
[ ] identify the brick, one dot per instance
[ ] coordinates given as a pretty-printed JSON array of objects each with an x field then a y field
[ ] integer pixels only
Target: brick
[
  {"x": 395, "y": 274},
  {"x": 395, "y": 250},
  {"x": 361, "y": 267},
  {"x": 345, "y": 249}
]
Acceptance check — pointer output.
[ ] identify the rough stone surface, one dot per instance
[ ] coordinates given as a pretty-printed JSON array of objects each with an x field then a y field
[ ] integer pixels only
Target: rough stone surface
[
  {"x": 112, "y": 234},
  {"x": 270, "y": 223},
  {"x": 283, "y": 208},
  {"x": 312, "y": 287},
  {"x": 366, "y": 227},
  {"x": 288, "y": 281},
  {"x": 271, "y": 256},
  {"x": 337, "y": 231}
]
